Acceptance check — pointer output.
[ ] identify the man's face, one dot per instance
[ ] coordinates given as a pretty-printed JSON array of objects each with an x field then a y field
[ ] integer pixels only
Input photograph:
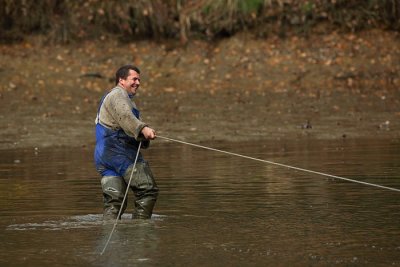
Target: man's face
[{"x": 131, "y": 83}]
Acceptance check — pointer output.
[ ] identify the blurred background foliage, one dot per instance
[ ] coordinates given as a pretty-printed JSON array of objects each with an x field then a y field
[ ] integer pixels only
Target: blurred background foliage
[{"x": 73, "y": 20}]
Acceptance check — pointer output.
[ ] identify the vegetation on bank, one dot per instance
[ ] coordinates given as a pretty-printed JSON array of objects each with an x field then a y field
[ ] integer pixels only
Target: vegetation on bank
[{"x": 66, "y": 20}]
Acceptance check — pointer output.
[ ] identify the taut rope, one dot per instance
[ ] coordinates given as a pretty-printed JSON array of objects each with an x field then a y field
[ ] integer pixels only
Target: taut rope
[{"x": 280, "y": 164}]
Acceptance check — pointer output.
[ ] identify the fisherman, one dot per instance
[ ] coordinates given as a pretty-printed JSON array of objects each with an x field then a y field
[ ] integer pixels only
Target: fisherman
[{"x": 119, "y": 131}]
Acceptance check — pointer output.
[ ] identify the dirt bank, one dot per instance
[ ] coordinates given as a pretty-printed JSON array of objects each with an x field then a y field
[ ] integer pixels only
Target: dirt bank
[{"x": 324, "y": 87}]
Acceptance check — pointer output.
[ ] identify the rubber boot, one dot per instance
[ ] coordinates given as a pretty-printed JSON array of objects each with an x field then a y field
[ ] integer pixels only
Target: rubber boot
[
  {"x": 114, "y": 188},
  {"x": 144, "y": 188}
]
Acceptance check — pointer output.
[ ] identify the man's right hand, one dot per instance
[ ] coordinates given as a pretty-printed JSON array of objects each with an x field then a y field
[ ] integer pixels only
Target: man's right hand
[{"x": 148, "y": 133}]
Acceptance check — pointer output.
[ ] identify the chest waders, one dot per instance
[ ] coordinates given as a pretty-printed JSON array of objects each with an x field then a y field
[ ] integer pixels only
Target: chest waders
[{"x": 114, "y": 157}]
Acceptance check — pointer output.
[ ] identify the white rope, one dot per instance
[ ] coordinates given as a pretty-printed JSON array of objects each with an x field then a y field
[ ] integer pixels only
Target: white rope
[
  {"x": 123, "y": 201},
  {"x": 280, "y": 164}
]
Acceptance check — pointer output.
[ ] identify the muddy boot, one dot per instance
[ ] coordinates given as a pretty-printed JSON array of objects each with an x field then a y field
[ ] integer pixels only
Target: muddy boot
[
  {"x": 144, "y": 207},
  {"x": 114, "y": 188},
  {"x": 144, "y": 188}
]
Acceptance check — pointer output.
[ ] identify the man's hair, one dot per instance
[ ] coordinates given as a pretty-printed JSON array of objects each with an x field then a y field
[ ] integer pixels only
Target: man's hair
[{"x": 123, "y": 72}]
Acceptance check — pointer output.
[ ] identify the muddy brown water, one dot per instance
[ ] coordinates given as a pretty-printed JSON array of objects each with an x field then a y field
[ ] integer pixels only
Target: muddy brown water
[{"x": 213, "y": 210}]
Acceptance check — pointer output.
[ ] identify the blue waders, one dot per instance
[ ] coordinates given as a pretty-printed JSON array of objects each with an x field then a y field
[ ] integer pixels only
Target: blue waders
[{"x": 114, "y": 156}]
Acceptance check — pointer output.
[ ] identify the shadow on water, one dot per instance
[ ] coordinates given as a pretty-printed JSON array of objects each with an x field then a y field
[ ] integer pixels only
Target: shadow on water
[{"x": 213, "y": 210}]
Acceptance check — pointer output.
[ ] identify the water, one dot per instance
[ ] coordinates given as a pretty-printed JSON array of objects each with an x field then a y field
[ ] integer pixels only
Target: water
[{"x": 213, "y": 209}]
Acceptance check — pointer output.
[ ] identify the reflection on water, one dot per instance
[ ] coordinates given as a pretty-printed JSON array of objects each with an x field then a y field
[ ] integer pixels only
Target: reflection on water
[{"x": 213, "y": 210}]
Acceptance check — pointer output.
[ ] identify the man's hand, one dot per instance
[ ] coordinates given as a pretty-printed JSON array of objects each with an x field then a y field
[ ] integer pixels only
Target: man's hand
[{"x": 148, "y": 133}]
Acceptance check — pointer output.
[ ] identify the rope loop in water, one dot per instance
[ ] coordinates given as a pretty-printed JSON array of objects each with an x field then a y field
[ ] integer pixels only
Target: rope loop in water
[{"x": 123, "y": 201}]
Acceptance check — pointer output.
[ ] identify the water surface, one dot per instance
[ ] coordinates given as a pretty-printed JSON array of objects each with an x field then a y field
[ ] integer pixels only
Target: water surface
[{"x": 213, "y": 210}]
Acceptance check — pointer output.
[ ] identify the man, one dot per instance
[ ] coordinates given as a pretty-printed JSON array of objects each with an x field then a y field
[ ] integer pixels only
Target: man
[{"x": 119, "y": 131}]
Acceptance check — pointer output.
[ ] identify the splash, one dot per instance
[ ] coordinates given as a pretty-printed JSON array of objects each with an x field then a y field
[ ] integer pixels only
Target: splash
[{"x": 73, "y": 222}]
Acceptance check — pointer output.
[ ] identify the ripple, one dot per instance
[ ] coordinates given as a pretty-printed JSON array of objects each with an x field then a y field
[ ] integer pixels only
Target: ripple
[{"x": 74, "y": 222}]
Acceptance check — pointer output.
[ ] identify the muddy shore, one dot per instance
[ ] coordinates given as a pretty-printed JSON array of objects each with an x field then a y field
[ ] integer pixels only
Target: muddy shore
[{"x": 335, "y": 86}]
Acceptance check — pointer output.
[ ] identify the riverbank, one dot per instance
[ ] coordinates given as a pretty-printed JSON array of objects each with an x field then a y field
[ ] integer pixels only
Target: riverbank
[{"x": 243, "y": 88}]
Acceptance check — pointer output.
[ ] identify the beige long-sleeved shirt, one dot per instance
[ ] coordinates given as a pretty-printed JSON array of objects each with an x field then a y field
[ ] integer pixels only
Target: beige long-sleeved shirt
[{"x": 116, "y": 113}]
